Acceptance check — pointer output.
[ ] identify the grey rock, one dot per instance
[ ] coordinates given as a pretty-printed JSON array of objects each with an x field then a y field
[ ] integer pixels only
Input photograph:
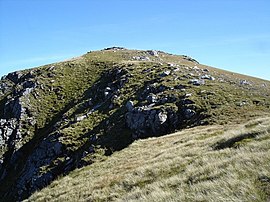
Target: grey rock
[
  {"x": 207, "y": 77},
  {"x": 80, "y": 118},
  {"x": 7, "y": 127},
  {"x": 14, "y": 109},
  {"x": 153, "y": 53},
  {"x": 14, "y": 76},
  {"x": 141, "y": 58},
  {"x": 245, "y": 82},
  {"x": 171, "y": 64},
  {"x": 145, "y": 121},
  {"x": 5, "y": 87},
  {"x": 45, "y": 153},
  {"x": 189, "y": 113},
  {"x": 190, "y": 59},
  {"x": 51, "y": 68},
  {"x": 197, "y": 82},
  {"x": 152, "y": 98},
  {"x": 27, "y": 91},
  {"x": 106, "y": 94},
  {"x": 107, "y": 91},
  {"x": 161, "y": 117},
  {"x": 176, "y": 69},
  {"x": 165, "y": 73},
  {"x": 129, "y": 105}
]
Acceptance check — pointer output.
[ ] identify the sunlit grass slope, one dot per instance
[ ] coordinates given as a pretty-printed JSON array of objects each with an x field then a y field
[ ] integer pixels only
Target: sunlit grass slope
[{"x": 205, "y": 163}]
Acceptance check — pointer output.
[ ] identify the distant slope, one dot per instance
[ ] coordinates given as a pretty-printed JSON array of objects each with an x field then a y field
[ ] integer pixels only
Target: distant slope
[
  {"x": 59, "y": 117},
  {"x": 209, "y": 163}
]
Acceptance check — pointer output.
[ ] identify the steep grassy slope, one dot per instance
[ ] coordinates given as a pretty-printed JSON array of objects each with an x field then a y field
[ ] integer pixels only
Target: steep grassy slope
[
  {"x": 67, "y": 115},
  {"x": 206, "y": 163}
]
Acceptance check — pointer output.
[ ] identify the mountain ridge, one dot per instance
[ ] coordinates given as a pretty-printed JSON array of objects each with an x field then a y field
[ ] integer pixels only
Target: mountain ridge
[{"x": 66, "y": 115}]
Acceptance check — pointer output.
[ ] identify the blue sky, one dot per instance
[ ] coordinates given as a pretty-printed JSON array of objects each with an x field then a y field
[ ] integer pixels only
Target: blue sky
[{"x": 228, "y": 34}]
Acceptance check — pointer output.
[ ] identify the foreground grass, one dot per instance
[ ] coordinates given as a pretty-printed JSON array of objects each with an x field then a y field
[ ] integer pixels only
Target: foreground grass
[{"x": 209, "y": 163}]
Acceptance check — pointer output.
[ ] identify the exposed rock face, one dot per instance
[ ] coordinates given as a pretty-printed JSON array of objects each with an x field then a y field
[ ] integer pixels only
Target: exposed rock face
[
  {"x": 15, "y": 76},
  {"x": 147, "y": 122},
  {"x": 31, "y": 177},
  {"x": 6, "y": 129}
]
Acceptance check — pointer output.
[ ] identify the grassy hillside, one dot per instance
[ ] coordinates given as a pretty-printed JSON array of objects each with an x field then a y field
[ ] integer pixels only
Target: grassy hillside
[
  {"x": 206, "y": 163},
  {"x": 63, "y": 116}
]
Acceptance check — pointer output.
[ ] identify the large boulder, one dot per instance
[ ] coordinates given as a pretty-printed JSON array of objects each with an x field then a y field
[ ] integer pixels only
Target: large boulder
[{"x": 147, "y": 122}]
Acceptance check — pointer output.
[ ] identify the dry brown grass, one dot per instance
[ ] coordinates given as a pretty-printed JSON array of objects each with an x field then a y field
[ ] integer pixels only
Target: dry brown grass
[{"x": 184, "y": 166}]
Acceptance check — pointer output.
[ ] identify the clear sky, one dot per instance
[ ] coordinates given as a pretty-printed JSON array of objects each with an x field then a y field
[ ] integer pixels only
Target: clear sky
[{"x": 228, "y": 34}]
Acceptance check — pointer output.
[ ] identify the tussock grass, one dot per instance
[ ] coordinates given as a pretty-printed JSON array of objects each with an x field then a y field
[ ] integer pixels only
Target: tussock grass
[{"x": 183, "y": 166}]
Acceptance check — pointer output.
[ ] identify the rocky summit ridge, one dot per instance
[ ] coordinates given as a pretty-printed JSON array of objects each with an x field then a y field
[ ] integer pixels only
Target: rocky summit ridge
[{"x": 62, "y": 116}]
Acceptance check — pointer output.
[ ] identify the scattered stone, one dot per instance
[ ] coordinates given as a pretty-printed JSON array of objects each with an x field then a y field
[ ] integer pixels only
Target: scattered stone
[
  {"x": 207, "y": 77},
  {"x": 176, "y": 69},
  {"x": 51, "y": 75},
  {"x": 153, "y": 53},
  {"x": 80, "y": 118},
  {"x": 171, "y": 65},
  {"x": 197, "y": 82},
  {"x": 165, "y": 73},
  {"x": 190, "y": 59},
  {"x": 240, "y": 104},
  {"x": 205, "y": 70},
  {"x": 141, "y": 58},
  {"x": 51, "y": 68},
  {"x": 245, "y": 82},
  {"x": 196, "y": 68}
]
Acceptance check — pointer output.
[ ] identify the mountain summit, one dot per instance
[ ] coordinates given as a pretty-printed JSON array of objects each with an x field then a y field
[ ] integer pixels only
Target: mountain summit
[{"x": 72, "y": 114}]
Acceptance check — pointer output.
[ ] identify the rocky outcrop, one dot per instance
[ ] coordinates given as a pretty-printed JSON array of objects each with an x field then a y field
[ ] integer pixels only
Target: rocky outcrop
[
  {"x": 32, "y": 176},
  {"x": 7, "y": 127},
  {"x": 146, "y": 122},
  {"x": 9, "y": 135}
]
